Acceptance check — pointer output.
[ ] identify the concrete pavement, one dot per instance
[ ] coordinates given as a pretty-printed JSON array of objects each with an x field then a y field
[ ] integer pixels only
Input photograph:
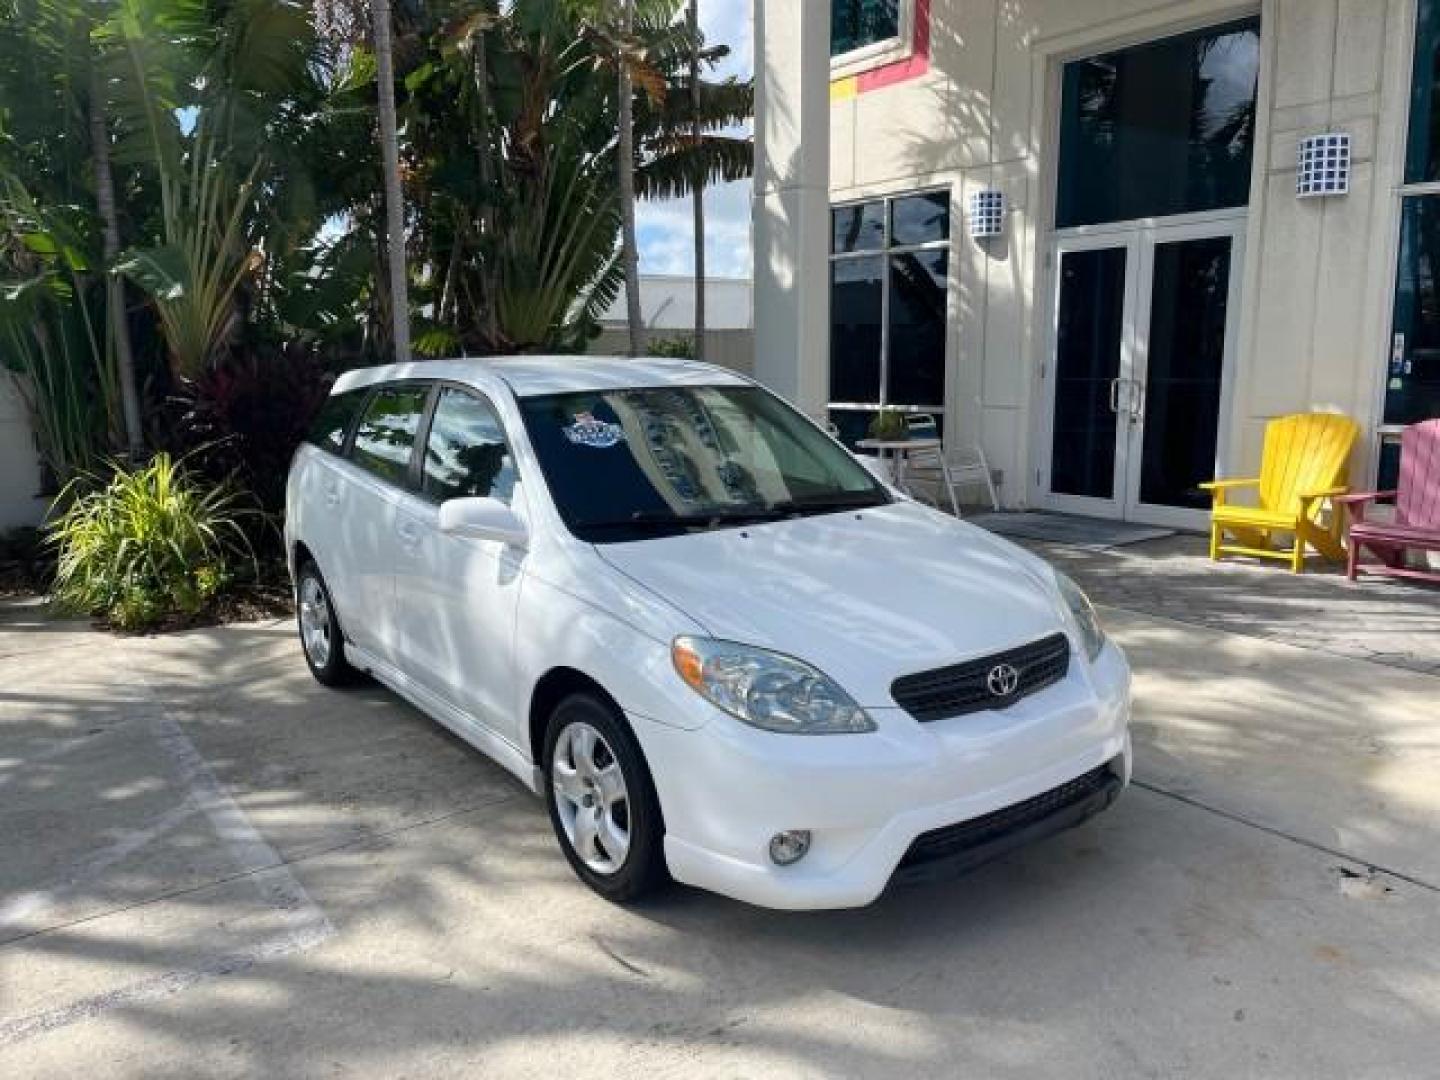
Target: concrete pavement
[{"x": 210, "y": 866}]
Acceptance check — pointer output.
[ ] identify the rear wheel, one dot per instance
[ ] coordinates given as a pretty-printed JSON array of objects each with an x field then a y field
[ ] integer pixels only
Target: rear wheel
[
  {"x": 320, "y": 636},
  {"x": 602, "y": 801}
]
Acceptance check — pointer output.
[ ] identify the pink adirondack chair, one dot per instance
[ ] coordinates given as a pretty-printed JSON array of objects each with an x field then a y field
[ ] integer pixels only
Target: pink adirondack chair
[{"x": 1417, "y": 510}]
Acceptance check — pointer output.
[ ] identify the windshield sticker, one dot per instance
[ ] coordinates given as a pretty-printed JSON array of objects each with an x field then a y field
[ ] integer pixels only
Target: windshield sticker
[{"x": 596, "y": 434}]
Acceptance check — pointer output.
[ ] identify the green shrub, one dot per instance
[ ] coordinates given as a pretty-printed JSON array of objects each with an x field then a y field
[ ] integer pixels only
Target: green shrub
[
  {"x": 676, "y": 348},
  {"x": 146, "y": 544},
  {"x": 887, "y": 424}
]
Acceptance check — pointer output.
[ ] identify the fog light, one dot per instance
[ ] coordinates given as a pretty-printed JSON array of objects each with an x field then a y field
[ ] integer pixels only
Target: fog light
[{"x": 788, "y": 848}]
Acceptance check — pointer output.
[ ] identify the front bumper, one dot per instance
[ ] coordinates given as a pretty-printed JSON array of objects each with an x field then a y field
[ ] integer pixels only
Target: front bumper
[{"x": 867, "y": 800}]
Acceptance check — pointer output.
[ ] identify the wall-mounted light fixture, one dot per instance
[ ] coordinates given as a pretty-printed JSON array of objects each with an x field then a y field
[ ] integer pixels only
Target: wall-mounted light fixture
[
  {"x": 1323, "y": 166},
  {"x": 985, "y": 214}
]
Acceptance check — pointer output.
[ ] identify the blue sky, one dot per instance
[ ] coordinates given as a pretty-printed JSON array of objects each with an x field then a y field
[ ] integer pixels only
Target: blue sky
[{"x": 663, "y": 229}]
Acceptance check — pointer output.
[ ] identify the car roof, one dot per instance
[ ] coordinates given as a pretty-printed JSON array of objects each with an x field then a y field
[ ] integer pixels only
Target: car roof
[{"x": 531, "y": 376}]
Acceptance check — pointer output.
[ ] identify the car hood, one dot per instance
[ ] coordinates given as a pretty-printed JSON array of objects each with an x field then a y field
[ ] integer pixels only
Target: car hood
[{"x": 865, "y": 597}]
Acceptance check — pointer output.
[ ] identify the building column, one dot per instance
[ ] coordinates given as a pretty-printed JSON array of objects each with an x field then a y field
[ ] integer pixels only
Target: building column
[{"x": 791, "y": 203}]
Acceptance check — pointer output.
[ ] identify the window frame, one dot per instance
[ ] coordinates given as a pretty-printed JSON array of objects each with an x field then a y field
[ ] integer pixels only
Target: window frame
[
  {"x": 879, "y": 53},
  {"x": 422, "y": 440},
  {"x": 362, "y": 398},
  {"x": 1211, "y": 24},
  {"x": 373, "y": 391},
  {"x": 1386, "y": 433},
  {"x": 886, "y": 252}
]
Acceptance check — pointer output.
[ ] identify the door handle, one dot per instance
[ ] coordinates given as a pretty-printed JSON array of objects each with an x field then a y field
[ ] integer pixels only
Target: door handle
[
  {"x": 1115, "y": 394},
  {"x": 332, "y": 493},
  {"x": 1137, "y": 401},
  {"x": 409, "y": 532}
]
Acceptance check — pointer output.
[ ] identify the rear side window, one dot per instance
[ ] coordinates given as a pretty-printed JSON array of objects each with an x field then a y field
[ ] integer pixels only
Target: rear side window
[
  {"x": 332, "y": 422},
  {"x": 466, "y": 455},
  {"x": 385, "y": 435}
]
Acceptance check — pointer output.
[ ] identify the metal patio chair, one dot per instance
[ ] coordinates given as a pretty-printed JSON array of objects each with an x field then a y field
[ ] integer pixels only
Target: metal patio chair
[{"x": 949, "y": 470}]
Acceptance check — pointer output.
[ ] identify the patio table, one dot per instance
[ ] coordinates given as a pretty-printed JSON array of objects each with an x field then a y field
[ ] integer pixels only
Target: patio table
[{"x": 895, "y": 452}]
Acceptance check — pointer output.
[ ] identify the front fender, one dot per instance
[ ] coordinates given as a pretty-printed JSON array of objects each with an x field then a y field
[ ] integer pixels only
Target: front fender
[{"x": 558, "y": 629}]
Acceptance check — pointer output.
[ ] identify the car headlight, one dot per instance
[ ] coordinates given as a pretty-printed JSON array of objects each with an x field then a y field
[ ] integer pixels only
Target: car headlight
[
  {"x": 1092, "y": 635},
  {"x": 767, "y": 690}
]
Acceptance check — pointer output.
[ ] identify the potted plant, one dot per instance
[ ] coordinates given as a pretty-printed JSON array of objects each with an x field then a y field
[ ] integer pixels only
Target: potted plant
[{"x": 889, "y": 424}]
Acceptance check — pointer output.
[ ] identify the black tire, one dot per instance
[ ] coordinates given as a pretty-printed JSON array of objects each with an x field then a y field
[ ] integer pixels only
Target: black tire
[
  {"x": 643, "y": 867},
  {"x": 332, "y": 669}
]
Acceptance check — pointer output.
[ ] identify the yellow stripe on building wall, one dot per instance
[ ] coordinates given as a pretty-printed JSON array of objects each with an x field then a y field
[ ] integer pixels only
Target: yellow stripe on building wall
[{"x": 844, "y": 89}]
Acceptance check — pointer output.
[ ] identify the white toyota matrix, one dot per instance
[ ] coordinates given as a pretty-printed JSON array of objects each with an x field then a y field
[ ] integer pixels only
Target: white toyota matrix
[{"x": 723, "y": 651}]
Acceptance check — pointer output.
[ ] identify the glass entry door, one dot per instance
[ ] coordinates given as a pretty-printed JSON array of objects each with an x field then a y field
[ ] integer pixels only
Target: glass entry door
[{"x": 1143, "y": 335}]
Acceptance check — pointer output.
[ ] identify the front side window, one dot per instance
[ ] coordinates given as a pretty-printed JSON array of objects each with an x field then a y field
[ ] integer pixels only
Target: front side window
[
  {"x": 889, "y": 265},
  {"x": 1159, "y": 129},
  {"x": 856, "y": 24},
  {"x": 385, "y": 436},
  {"x": 465, "y": 453},
  {"x": 636, "y": 463}
]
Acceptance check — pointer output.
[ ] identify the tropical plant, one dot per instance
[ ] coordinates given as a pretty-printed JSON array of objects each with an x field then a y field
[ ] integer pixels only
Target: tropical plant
[
  {"x": 513, "y": 152},
  {"x": 887, "y": 424},
  {"x": 244, "y": 418},
  {"x": 625, "y": 163},
  {"x": 697, "y": 182},
  {"x": 394, "y": 198},
  {"x": 201, "y": 179},
  {"x": 53, "y": 313},
  {"x": 678, "y": 348},
  {"x": 146, "y": 543},
  {"x": 117, "y": 322},
  {"x": 197, "y": 98}
]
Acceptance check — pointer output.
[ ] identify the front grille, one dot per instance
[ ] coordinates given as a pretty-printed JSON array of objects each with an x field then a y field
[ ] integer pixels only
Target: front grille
[
  {"x": 965, "y": 688},
  {"x": 952, "y": 840}
]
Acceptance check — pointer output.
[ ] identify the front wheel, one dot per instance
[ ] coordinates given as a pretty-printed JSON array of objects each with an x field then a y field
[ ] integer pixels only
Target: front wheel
[
  {"x": 602, "y": 801},
  {"x": 320, "y": 635}
]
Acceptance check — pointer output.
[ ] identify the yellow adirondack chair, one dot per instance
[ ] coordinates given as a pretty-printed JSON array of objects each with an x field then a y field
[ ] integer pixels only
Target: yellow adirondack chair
[{"x": 1304, "y": 466}]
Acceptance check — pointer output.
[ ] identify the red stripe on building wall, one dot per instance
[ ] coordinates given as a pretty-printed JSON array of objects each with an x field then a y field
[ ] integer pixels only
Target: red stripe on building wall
[{"x": 916, "y": 64}]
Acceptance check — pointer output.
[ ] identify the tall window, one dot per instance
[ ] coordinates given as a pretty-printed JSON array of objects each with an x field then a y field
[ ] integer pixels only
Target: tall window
[
  {"x": 1412, "y": 388},
  {"x": 1159, "y": 129},
  {"x": 889, "y": 265},
  {"x": 859, "y": 24}
]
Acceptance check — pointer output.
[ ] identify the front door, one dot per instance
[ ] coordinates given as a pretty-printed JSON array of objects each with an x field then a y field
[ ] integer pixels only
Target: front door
[
  {"x": 457, "y": 596},
  {"x": 1143, "y": 337}
]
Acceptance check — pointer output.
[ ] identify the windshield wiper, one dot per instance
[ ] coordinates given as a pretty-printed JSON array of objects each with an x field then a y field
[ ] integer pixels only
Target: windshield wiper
[
  {"x": 666, "y": 519},
  {"x": 749, "y": 515}
]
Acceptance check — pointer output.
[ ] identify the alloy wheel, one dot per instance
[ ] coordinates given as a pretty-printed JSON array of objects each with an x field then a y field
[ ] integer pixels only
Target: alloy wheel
[
  {"x": 315, "y": 621},
  {"x": 591, "y": 798}
]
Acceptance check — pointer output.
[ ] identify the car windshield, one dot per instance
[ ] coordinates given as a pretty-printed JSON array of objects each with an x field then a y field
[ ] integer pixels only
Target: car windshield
[{"x": 652, "y": 461}]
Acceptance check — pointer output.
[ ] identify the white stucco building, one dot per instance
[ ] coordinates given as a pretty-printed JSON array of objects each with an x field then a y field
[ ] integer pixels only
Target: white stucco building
[
  {"x": 20, "y": 480},
  {"x": 1159, "y": 287},
  {"x": 667, "y": 307}
]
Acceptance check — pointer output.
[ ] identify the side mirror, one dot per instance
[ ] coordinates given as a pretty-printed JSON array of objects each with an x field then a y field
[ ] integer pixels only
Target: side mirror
[{"x": 483, "y": 519}]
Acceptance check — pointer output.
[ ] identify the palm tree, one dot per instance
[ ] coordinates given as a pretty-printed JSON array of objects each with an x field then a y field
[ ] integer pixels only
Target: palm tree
[
  {"x": 698, "y": 196},
  {"x": 626, "y": 163},
  {"x": 394, "y": 207},
  {"x": 118, "y": 318}
]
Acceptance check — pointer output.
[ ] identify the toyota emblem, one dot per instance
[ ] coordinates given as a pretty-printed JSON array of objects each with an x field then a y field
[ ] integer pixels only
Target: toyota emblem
[{"x": 1003, "y": 680}]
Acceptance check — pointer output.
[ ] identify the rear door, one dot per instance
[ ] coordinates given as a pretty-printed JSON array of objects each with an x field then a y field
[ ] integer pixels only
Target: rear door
[
  {"x": 315, "y": 509},
  {"x": 378, "y": 470},
  {"x": 457, "y": 596}
]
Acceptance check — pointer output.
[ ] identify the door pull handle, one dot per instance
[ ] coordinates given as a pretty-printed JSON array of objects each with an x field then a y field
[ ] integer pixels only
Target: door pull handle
[
  {"x": 1115, "y": 395},
  {"x": 1137, "y": 402}
]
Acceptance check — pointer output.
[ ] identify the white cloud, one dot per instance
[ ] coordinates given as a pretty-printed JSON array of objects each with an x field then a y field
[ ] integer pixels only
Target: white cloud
[{"x": 665, "y": 232}]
